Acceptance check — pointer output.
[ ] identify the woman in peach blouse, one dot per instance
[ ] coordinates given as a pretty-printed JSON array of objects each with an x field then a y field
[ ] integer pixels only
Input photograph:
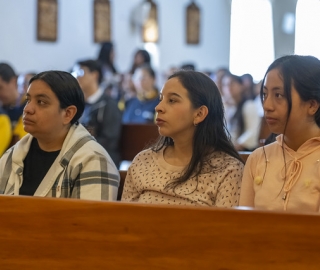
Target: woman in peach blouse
[{"x": 285, "y": 175}]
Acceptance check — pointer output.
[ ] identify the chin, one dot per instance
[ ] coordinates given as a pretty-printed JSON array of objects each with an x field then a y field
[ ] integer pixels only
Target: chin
[{"x": 162, "y": 132}]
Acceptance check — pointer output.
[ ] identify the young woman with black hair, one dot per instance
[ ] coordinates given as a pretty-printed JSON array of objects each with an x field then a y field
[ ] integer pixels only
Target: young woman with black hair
[
  {"x": 194, "y": 161},
  {"x": 285, "y": 175}
]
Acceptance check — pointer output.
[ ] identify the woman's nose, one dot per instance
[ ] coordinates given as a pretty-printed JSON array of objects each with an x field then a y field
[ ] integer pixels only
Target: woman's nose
[
  {"x": 28, "y": 108},
  {"x": 267, "y": 104},
  {"x": 159, "y": 108}
]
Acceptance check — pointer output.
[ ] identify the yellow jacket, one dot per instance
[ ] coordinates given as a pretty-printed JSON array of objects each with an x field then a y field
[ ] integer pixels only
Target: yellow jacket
[
  {"x": 6, "y": 133},
  {"x": 18, "y": 129}
]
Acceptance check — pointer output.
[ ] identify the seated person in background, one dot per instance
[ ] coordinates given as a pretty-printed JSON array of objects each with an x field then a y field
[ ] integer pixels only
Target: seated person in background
[
  {"x": 5, "y": 131},
  {"x": 285, "y": 175},
  {"x": 23, "y": 82},
  {"x": 12, "y": 102},
  {"x": 110, "y": 80},
  {"x": 244, "y": 121},
  {"x": 140, "y": 58},
  {"x": 140, "y": 109},
  {"x": 58, "y": 158},
  {"x": 101, "y": 116},
  {"x": 194, "y": 161}
]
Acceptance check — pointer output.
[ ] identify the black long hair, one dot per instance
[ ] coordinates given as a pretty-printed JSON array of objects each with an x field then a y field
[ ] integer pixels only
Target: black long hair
[
  {"x": 211, "y": 134},
  {"x": 104, "y": 56},
  {"x": 146, "y": 59}
]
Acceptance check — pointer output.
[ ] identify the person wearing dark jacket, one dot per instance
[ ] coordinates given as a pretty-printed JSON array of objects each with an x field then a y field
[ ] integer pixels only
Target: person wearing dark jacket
[{"x": 101, "y": 114}]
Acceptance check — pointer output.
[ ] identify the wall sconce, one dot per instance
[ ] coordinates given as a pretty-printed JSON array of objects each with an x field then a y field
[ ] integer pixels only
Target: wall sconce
[
  {"x": 150, "y": 30},
  {"x": 192, "y": 23}
]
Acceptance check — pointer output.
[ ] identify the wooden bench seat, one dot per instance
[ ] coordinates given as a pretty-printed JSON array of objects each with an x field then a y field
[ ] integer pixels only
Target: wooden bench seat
[{"x": 44, "y": 233}]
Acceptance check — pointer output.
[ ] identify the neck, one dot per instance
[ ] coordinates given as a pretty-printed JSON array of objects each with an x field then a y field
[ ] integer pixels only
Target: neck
[
  {"x": 180, "y": 153},
  {"x": 89, "y": 91},
  {"x": 295, "y": 141},
  {"x": 53, "y": 142}
]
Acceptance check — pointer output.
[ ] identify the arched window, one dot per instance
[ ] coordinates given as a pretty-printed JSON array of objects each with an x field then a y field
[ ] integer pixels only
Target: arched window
[
  {"x": 251, "y": 37},
  {"x": 307, "y": 39}
]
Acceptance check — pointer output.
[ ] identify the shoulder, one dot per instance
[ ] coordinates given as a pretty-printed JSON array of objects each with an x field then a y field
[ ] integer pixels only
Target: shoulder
[
  {"x": 221, "y": 161},
  {"x": 144, "y": 155},
  {"x": 80, "y": 142},
  {"x": 92, "y": 156},
  {"x": 222, "y": 157},
  {"x": 262, "y": 153},
  {"x": 91, "y": 147},
  {"x": 132, "y": 101}
]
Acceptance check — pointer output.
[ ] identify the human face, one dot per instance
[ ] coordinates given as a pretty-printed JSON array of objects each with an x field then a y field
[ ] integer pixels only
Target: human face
[
  {"x": 232, "y": 90},
  {"x": 175, "y": 113},
  {"x": 42, "y": 115},
  {"x": 86, "y": 78},
  {"x": 138, "y": 59},
  {"x": 8, "y": 92},
  {"x": 142, "y": 81},
  {"x": 275, "y": 105}
]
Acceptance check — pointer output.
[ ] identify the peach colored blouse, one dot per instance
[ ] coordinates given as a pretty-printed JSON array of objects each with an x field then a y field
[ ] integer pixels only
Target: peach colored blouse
[{"x": 283, "y": 179}]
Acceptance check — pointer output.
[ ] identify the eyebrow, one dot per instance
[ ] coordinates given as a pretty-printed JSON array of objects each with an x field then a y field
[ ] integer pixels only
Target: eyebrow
[
  {"x": 172, "y": 94},
  {"x": 39, "y": 96},
  {"x": 274, "y": 88}
]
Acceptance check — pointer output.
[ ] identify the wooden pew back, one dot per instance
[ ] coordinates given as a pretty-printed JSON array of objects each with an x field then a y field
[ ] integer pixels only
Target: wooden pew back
[
  {"x": 44, "y": 233},
  {"x": 135, "y": 137}
]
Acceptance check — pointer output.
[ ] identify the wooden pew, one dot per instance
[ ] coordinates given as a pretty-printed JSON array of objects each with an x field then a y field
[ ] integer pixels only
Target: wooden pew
[
  {"x": 135, "y": 137},
  {"x": 44, "y": 233},
  {"x": 123, "y": 175}
]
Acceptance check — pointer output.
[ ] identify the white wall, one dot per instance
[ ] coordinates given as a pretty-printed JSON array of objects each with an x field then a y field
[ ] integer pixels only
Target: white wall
[{"x": 19, "y": 47}]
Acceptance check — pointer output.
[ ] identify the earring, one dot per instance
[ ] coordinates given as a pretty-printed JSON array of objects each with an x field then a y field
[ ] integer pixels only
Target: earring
[{"x": 195, "y": 124}]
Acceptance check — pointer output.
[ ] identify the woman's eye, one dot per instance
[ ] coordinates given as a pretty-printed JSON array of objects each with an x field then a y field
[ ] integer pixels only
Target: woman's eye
[
  {"x": 278, "y": 95},
  {"x": 172, "y": 101}
]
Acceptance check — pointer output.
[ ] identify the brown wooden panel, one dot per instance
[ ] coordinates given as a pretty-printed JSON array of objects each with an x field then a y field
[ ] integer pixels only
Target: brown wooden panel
[
  {"x": 244, "y": 155},
  {"x": 42, "y": 233},
  {"x": 123, "y": 175},
  {"x": 135, "y": 137}
]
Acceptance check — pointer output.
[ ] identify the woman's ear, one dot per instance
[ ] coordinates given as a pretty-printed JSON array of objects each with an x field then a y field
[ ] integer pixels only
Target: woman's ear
[
  {"x": 70, "y": 112},
  {"x": 201, "y": 114},
  {"x": 314, "y": 106}
]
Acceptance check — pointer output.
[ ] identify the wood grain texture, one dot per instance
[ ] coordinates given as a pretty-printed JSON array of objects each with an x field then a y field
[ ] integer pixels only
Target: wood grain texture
[
  {"x": 42, "y": 233},
  {"x": 135, "y": 137}
]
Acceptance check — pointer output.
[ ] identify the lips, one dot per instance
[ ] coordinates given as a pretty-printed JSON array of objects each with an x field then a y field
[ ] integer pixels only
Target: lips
[
  {"x": 271, "y": 120},
  {"x": 159, "y": 121},
  {"x": 27, "y": 121}
]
